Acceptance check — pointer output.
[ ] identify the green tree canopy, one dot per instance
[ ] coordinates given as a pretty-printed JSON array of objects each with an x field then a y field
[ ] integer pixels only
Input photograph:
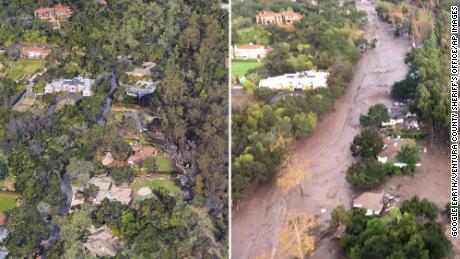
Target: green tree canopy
[
  {"x": 399, "y": 234},
  {"x": 368, "y": 174},
  {"x": 367, "y": 144},
  {"x": 409, "y": 154},
  {"x": 375, "y": 116},
  {"x": 27, "y": 230}
]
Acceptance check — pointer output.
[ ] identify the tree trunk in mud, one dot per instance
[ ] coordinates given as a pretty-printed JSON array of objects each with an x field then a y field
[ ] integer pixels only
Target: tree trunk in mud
[
  {"x": 301, "y": 191},
  {"x": 299, "y": 245}
]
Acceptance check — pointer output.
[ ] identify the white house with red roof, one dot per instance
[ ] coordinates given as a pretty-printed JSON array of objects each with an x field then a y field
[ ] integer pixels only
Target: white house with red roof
[
  {"x": 286, "y": 17},
  {"x": 250, "y": 51},
  {"x": 291, "y": 17},
  {"x": 35, "y": 52},
  {"x": 57, "y": 12}
]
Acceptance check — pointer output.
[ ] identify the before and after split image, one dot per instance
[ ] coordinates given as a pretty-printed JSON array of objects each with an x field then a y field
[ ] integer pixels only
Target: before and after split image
[{"x": 245, "y": 129}]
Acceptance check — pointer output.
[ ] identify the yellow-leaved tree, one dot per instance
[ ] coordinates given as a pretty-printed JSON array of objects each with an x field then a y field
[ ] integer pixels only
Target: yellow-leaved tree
[
  {"x": 293, "y": 176},
  {"x": 294, "y": 240}
]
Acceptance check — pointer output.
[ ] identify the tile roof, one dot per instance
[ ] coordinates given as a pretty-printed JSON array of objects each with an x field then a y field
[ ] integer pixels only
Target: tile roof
[
  {"x": 62, "y": 9},
  {"x": 43, "y": 10},
  {"x": 118, "y": 163},
  {"x": 141, "y": 153},
  {"x": 291, "y": 14},
  {"x": 268, "y": 14},
  {"x": 36, "y": 49},
  {"x": 250, "y": 46}
]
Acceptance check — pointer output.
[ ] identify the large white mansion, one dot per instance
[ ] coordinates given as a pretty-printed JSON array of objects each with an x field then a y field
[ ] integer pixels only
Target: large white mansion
[
  {"x": 77, "y": 84},
  {"x": 300, "y": 80}
]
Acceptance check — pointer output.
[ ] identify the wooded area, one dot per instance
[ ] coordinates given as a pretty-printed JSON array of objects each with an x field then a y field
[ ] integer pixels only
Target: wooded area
[{"x": 187, "y": 40}]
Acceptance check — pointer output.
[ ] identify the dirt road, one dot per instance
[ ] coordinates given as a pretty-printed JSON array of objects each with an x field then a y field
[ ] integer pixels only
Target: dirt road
[{"x": 258, "y": 219}]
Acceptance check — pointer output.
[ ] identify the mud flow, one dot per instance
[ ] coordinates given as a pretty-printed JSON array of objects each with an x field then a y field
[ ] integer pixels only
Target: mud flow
[{"x": 258, "y": 219}]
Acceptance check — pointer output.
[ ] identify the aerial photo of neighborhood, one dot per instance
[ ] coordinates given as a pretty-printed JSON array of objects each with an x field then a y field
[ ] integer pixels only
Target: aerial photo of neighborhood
[
  {"x": 340, "y": 129},
  {"x": 113, "y": 129}
]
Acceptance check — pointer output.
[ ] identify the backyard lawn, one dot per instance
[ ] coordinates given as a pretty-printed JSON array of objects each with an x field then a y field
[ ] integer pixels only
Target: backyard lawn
[
  {"x": 154, "y": 184},
  {"x": 7, "y": 201},
  {"x": 240, "y": 67},
  {"x": 24, "y": 68},
  {"x": 144, "y": 141},
  {"x": 165, "y": 164}
]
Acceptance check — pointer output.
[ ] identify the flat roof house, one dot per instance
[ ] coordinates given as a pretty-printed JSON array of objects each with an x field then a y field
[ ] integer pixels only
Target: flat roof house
[
  {"x": 57, "y": 12},
  {"x": 35, "y": 52},
  {"x": 372, "y": 202},
  {"x": 300, "y": 80},
  {"x": 250, "y": 51},
  {"x": 142, "y": 88}
]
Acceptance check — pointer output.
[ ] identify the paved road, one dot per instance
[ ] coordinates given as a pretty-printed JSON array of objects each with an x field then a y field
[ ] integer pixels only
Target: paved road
[
  {"x": 29, "y": 88},
  {"x": 108, "y": 100},
  {"x": 279, "y": 96}
]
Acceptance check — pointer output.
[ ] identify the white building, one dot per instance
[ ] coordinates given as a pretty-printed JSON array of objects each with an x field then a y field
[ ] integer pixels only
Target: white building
[
  {"x": 300, "y": 80},
  {"x": 250, "y": 51},
  {"x": 392, "y": 122},
  {"x": 225, "y": 6},
  {"x": 77, "y": 84}
]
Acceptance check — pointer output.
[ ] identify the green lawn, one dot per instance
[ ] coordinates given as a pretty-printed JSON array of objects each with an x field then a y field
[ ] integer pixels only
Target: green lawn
[
  {"x": 240, "y": 68},
  {"x": 154, "y": 184},
  {"x": 7, "y": 201},
  {"x": 144, "y": 141},
  {"x": 165, "y": 164},
  {"x": 24, "y": 68}
]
